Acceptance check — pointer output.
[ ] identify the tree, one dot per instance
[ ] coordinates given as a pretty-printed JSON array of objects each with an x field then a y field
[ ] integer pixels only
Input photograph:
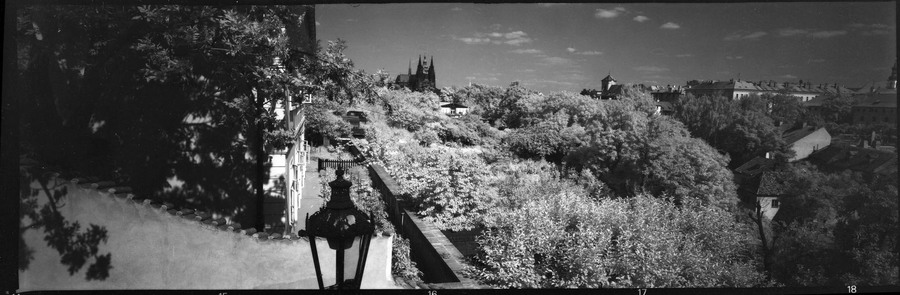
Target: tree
[
  {"x": 153, "y": 95},
  {"x": 742, "y": 129},
  {"x": 786, "y": 109},
  {"x": 830, "y": 219},
  {"x": 555, "y": 237}
]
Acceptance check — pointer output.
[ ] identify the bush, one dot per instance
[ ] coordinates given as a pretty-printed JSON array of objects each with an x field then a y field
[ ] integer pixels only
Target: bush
[
  {"x": 401, "y": 265},
  {"x": 565, "y": 240}
]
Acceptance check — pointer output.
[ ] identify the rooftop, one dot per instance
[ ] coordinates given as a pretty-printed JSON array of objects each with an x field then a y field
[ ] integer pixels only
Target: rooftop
[
  {"x": 755, "y": 166},
  {"x": 773, "y": 183},
  {"x": 885, "y": 100},
  {"x": 855, "y": 158},
  {"x": 793, "y": 135}
]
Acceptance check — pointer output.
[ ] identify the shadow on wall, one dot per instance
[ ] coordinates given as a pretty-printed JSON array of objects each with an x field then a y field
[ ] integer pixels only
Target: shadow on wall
[{"x": 76, "y": 246}]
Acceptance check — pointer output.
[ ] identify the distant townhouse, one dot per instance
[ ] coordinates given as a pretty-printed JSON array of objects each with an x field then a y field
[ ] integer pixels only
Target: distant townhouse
[
  {"x": 876, "y": 108},
  {"x": 738, "y": 89},
  {"x": 887, "y": 86},
  {"x": 454, "y": 109},
  {"x": 877, "y": 102}
]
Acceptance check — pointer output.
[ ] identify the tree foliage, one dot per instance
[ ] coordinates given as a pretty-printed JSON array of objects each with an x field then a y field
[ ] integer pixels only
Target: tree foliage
[
  {"x": 832, "y": 219},
  {"x": 742, "y": 129},
  {"x": 556, "y": 237}
]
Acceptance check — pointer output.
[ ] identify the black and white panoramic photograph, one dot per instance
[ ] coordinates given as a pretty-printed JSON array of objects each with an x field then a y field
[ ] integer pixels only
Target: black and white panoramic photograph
[{"x": 443, "y": 147}]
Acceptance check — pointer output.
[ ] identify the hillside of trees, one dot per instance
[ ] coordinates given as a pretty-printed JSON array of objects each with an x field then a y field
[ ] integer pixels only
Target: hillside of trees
[{"x": 577, "y": 192}]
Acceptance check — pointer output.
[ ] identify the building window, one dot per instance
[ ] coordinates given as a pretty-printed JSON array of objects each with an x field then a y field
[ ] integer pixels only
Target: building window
[{"x": 775, "y": 203}]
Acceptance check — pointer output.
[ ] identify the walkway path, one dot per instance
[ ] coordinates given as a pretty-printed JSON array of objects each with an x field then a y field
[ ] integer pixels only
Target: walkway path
[{"x": 310, "y": 201}]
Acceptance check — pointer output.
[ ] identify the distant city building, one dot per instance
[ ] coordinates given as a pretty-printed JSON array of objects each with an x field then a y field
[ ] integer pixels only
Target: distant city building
[
  {"x": 876, "y": 108},
  {"x": 424, "y": 78},
  {"x": 887, "y": 86},
  {"x": 877, "y": 102},
  {"x": 737, "y": 89},
  {"x": 608, "y": 88},
  {"x": 454, "y": 109},
  {"x": 666, "y": 97}
]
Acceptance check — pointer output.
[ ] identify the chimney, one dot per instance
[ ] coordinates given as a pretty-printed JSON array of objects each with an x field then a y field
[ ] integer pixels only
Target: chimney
[{"x": 872, "y": 141}]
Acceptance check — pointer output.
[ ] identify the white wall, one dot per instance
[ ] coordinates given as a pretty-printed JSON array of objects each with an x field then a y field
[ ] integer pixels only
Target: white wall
[
  {"x": 817, "y": 140},
  {"x": 152, "y": 249},
  {"x": 766, "y": 204}
]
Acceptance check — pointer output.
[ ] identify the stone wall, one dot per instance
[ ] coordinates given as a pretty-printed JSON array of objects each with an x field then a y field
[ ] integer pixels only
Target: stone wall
[
  {"x": 438, "y": 259},
  {"x": 153, "y": 246}
]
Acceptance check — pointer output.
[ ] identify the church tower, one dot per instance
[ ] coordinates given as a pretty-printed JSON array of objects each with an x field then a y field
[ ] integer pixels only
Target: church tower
[
  {"x": 416, "y": 81},
  {"x": 605, "y": 85},
  {"x": 434, "y": 82}
]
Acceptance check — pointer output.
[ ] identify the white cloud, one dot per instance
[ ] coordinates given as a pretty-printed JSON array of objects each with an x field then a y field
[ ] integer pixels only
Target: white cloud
[
  {"x": 641, "y": 18},
  {"x": 318, "y": 23},
  {"x": 684, "y": 55},
  {"x": 529, "y": 70},
  {"x": 653, "y": 69},
  {"x": 741, "y": 35},
  {"x": 512, "y": 38},
  {"x": 828, "y": 34},
  {"x": 670, "y": 25},
  {"x": 818, "y": 60},
  {"x": 575, "y": 51},
  {"x": 788, "y": 76},
  {"x": 526, "y": 51},
  {"x": 555, "y": 60},
  {"x": 609, "y": 13},
  {"x": 475, "y": 40},
  {"x": 734, "y": 57},
  {"x": 456, "y": 9},
  {"x": 787, "y": 32},
  {"x": 550, "y": 82}
]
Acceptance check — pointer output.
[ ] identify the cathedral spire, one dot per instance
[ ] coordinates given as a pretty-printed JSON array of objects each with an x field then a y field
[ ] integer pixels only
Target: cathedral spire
[{"x": 431, "y": 77}]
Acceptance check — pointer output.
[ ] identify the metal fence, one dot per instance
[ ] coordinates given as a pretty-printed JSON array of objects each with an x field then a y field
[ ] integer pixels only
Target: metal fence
[{"x": 335, "y": 164}]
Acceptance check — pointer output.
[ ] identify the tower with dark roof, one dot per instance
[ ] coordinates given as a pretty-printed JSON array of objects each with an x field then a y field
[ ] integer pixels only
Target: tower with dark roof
[
  {"x": 433, "y": 81},
  {"x": 606, "y": 86}
]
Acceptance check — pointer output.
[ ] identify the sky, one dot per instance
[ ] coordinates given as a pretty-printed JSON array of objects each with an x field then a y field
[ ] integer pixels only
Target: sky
[{"x": 555, "y": 47}]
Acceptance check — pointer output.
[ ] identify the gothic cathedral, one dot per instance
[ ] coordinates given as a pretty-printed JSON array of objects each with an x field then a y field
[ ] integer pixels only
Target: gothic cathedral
[{"x": 423, "y": 80}]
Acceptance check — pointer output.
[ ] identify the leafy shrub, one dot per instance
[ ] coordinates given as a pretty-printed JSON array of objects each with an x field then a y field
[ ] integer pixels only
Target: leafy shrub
[
  {"x": 565, "y": 240},
  {"x": 401, "y": 265}
]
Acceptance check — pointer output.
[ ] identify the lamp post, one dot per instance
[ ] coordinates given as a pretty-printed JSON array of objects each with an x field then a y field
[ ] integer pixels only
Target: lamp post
[{"x": 340, "y": 223}]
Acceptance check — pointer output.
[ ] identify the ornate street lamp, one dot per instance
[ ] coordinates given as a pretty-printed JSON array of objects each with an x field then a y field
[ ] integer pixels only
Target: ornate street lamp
[{"x": 340, "y": 222}]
